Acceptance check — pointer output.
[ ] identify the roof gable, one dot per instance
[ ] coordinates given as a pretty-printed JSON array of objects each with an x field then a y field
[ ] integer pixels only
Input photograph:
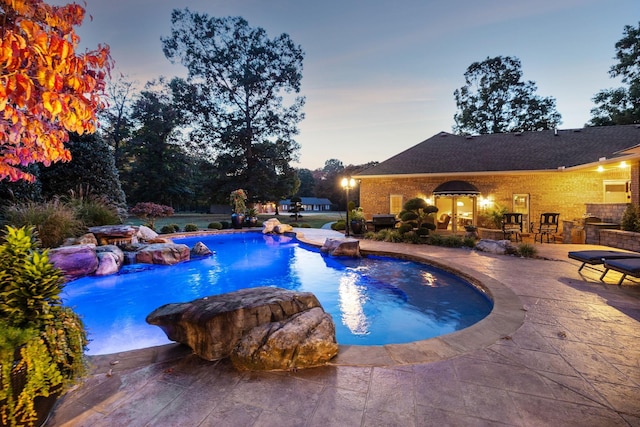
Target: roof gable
[{"x": 524, "y": 151}]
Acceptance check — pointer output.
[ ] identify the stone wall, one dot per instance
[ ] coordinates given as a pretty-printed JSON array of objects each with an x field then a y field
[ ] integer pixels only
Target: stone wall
[
  {"x": 620, "y": 239},
  {"x": 608, "y": 212},
  {"x": 559, "y": 191}
]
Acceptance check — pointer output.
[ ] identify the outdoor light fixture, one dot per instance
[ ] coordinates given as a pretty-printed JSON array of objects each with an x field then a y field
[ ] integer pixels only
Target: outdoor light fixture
[{"x": 347, "y": 184}]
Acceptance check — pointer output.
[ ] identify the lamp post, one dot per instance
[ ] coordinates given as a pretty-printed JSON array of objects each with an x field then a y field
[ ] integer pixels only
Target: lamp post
[{"x": 347, "y": 184}]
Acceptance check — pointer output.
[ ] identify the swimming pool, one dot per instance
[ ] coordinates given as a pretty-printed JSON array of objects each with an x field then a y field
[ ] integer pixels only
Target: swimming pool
[{"x": 373, "y": 300}]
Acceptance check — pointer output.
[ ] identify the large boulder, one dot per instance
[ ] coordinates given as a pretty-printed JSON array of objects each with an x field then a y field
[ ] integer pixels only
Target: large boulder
[
  {"x": 85, "y": 239},
  {"x": 145, "y": 233},
  {"x": 499, "y": 247},
  {"x": 108, "y": 263},
  {"x": 213, "y": 326},
  {"x": 304, "y": 340},
  {"x": 341, "y": 247},
  {"x": 269, "y": 225},
  {"x": 273, "y": 225},
  {"x": 75, "y": 261},
  {"x": 200, "y": 249},
  {"x": 113, "y": 249},
  {"x": 163, "y": 253},
  {"x": 114, "y": 234}
]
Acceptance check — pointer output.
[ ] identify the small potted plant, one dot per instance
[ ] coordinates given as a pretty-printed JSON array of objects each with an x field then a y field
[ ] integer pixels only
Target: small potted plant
[
  {"x": 238, "y": 202},
  {"x": 251, "y": 218},
  {"x": 42, "y": 343},
  {"x": 357, "y": 220}
]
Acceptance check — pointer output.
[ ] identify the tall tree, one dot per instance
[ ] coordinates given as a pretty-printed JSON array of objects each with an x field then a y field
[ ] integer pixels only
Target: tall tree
[
  {"x": 307, "y": 183},
  {"x": 117, "y": 125},
  {"x": 91, "y": 165},
  {"x": 496, "y": 100},
  {"x": 234, "y": 93},
  {"x": 46, "y": 89},
  {"x": 157, "y": 167},
  {"x": 621, "y": 106}
]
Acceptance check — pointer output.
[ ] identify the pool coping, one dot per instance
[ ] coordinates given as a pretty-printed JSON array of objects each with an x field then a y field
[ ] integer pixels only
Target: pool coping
[{"x": 506, "y": 317}]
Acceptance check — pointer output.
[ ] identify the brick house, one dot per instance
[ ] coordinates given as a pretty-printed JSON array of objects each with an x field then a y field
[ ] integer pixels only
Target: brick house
[{"x": 591, "y": 170}]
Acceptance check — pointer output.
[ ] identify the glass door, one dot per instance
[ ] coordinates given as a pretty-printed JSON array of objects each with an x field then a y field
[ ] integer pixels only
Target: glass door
[
  {"x": 460, "y": 209},
  {"x": 521, "y": 205}
]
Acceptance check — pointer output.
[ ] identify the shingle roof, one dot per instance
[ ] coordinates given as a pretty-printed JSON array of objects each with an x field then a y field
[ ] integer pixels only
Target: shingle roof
[
  {"x": 542, "y": 150},
  {"x": 309, "y": 201}
]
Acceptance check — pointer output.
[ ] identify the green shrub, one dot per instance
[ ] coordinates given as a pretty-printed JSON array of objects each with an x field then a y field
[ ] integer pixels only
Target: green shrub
[
  {"x": 412, "y": 237},
  {"x": 393, "y": 236},
  {"x": 630, "y": 218},
  {"x": 436, "y": 240},
  {"x": 338, "y": 225},
  {"x": 167, "y": 229},
  {"x": 225, "y": 224},
  {"x": 30, "y": 283},
  {"x": 370, "y": 235},
  {"x": 453, "y": 241},
  {"x": 176, "y": 227},
  {"x": 54, "y": 221},
  {"x": 527, "y": 250},
  {"x": 94, "y": 210},
  {"x": 215, "y": 226},
  {"x": 305, "y": 225},
  {"x": 469, "y": 242},
  {"x": 405, "y": 228},
  {"x": 423, "y": 231},
  {"x": 190, "y": 227},
  {"x": 49, "y": 338},
  {"x": 294, "y": 224}
]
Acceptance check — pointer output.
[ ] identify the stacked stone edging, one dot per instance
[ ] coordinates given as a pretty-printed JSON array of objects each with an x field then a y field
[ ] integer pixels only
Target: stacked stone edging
[{"x": 620, "y": 239}]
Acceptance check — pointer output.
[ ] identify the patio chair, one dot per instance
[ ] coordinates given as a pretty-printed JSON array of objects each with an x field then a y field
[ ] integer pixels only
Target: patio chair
[
  {"x": 512, "y": 225},
  {"x": 626, "y": 266},
  {"x": 548, "y": 226},
  {"x": 599, "y": 257},
  {"x": 443, "y": 222}
]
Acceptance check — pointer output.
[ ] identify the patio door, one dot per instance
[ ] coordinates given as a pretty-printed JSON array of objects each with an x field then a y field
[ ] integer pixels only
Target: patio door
[
  {"x": 521, "y": 205},
  {"x": 462, "y": 210}
]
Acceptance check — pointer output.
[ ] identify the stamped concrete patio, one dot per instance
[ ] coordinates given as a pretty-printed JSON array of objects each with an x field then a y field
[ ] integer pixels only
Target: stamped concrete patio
[{"x": 560, "y": 348}]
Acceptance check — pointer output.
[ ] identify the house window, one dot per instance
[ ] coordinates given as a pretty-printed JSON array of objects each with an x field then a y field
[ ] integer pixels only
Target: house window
[
  {"x": 616, "y": 191},
  {"x": 395, "y": 203}
]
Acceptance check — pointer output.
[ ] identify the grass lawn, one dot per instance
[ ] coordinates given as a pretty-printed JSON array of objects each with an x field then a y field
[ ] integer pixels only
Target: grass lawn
[{"x": 314, "y": 220}]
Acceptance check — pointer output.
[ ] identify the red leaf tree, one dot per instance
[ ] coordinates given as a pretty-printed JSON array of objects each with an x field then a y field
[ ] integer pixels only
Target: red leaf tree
[{"x": 46, "y": 88}]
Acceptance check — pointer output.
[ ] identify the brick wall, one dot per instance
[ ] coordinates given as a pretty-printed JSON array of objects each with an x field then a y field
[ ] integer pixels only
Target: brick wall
[{"x": 564, "y": 192}]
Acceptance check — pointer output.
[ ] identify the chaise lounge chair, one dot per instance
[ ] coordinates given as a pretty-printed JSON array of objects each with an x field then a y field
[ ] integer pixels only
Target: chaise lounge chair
[
  {"x": 598, "y": 257},
  {"x": 626, "y": 266}
]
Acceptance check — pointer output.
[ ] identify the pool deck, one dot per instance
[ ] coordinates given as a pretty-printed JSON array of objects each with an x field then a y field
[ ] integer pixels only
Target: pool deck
[{"x": 560, "y": 348}]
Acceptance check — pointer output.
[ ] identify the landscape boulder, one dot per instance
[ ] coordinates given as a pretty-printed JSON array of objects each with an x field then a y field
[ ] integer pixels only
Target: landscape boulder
[
  {"x": 213, "y": 326},
  {"x": 273, "y": 225},
  {"x": 145, "y": 233},
  {"x": 200, "y": 249},
  {"x": 114, "y": 234},
  {"x": 108, "y": 263},
  {"x": 283, "y": 228},
  {"x": 85, "y": 239},
  {"x": 75, "y": 261},
  {"x": 115, "y": 250},
  {"x": 163, "y": 253},
  {"x": 341, "y": 247},
  {"x": 304, "y": 340},
  {"x": 499, "y": 247}
]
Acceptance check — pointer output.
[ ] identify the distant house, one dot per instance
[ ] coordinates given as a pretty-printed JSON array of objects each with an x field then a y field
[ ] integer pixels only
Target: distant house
[
  {"x": 308, "y": 204},
  {"x": 571, "y": 171}
]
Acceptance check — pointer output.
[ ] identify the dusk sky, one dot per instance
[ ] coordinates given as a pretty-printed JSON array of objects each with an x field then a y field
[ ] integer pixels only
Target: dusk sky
[{"x": 379, "y": 76}]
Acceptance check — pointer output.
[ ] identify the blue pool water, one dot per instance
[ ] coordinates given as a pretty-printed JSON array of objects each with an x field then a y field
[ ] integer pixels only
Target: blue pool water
[{"x": 373, "y": 300}]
